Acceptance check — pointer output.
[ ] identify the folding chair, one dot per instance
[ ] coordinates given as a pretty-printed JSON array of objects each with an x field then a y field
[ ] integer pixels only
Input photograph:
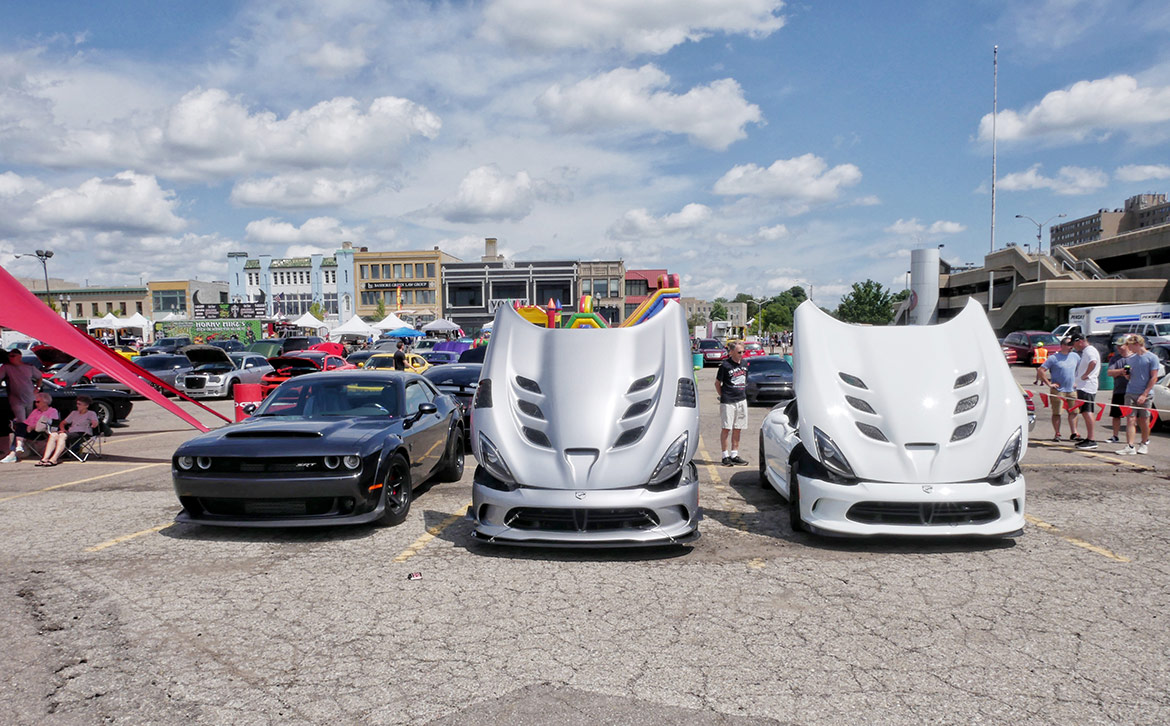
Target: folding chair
[{"x": 89, "y": 445}]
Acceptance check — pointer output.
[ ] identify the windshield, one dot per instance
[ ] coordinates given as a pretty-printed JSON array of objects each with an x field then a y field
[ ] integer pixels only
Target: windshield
[
  {"x": 1044, "y": 339},
  {"x": 380, "y": 361},
  {"x": 306, "y": 398},
  {"x": 709, "y": 345},
  {"x": 769, "y": 366},
  {"x": 446, "y": 376},
  {"x": 171, "y": 341},
  {"x": 1163, "y": 329},
  {"x": 165, "y": 363}
]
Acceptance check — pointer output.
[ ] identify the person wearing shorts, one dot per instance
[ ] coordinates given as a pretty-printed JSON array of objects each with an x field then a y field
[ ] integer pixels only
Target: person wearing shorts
[
  {"x": 1119, "y": 372},
  {"x": 731, "y": 385},
  {"x": 1086, "y": 381},
  {"x": 1143, "y": 374},
  {"x": 1058, "y": 372},
  {"x": 23, "y": 381}
]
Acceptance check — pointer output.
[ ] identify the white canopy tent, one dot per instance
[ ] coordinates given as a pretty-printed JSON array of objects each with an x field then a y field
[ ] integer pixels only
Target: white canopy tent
[
  {"x": 353, "y": 326},
  {"x": 439, "y": 326},
  {"x": 391, "y": 322},
  {"x": 108, "y": 322},
  {"x": 308, "y": 321}
]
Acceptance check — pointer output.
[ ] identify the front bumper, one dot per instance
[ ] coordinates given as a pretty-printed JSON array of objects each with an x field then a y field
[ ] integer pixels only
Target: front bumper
[
  {"x": 630, "y": 517},
  {"x": 212, "y": 390},
  {"x": 273, "y": 501},
  {"x": 932, "y": 510},
  {"x": 757, "y": 393}
]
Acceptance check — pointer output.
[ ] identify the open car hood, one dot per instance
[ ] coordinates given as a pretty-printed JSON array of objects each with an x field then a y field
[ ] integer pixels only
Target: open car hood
[
  {"x": 914, "y": 379},
  {"x": 581, "y": 384},
  {"x": 203, "y": 354}
]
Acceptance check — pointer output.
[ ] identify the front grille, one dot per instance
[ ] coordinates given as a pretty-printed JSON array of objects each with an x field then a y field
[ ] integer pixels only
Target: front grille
[
  {"x": 306, "y": 507},
  {"x": 194, "y": 382},
  {"x": 235, "y": 465},
  {"x": 923, "y": 513},
  {"x": 580, "y": 520}
]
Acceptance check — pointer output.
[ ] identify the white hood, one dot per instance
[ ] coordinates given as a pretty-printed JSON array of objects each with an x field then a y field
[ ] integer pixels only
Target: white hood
[
  {"x": 910, "y": 375},
  {"x": 584, "y": 378}
]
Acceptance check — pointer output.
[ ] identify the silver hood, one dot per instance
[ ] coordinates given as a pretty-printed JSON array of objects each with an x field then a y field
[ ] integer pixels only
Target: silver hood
[
  {"x": 919, "y": 381},
  {"x": 587, "y": 408}
]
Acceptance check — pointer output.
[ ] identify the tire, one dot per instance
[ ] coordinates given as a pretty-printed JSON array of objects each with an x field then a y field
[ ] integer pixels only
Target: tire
[
  {"x": 231, "y": 391},
  {"x": 397, "y": 493},
  {"x": 764, "y": 484},
  {"x": 454, "y": 460},
  {"x": 794, "y": 519},
  {"x": 104, "y": 412}
]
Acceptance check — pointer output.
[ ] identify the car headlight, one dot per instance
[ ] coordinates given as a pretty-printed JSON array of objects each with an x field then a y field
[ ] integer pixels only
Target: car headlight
[
  {"x": 672, "y": 461},
  {"x": 204, "y": 462},
  {"x": 352, "y": 461},
  {"x": 215, "y": 379},
  {"x": 186, "y": 463},
  {"x": 493, "y": 461},
  {"x": 831, "y": 456},
  {"x": 1010, "y": 455},
  {"x": 332, "y": 462}
]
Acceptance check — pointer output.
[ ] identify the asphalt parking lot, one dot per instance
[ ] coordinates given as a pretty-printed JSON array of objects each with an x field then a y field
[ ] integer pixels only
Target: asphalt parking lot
[{"x": 112, "y": 612}]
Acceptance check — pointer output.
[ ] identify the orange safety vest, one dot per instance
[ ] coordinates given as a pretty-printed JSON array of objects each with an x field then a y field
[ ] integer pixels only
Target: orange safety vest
[{"x": 1040, "y": 355}]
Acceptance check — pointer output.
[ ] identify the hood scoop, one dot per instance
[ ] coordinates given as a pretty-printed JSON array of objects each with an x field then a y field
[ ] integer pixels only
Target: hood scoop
[
  {"x": 580, "y": 463},
  {"x": 273, "y": 434}
]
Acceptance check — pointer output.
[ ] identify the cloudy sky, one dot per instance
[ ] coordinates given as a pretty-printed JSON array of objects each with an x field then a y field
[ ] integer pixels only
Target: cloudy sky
[{"x": 747, "y": 144}]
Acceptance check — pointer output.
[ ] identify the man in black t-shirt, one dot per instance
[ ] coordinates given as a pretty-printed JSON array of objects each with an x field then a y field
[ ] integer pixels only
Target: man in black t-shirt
[
  {"x": 400, "y": 357},
  {"x": 731, "y": 385}
]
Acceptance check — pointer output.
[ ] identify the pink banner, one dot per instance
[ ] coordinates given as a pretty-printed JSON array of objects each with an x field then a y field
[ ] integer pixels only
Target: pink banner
[{"x": 24, "y": 312}]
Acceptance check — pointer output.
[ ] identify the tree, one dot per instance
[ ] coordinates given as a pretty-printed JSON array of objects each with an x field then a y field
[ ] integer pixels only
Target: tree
[
  {"x": 718, "y": 311},
  {"x": 798, "y": 294},
  {"x": 868, "y": 302},
  {"x": 317, "y": 311},
  {"x": 695, "y": 321},
  {"x": 381, "y": 309}
]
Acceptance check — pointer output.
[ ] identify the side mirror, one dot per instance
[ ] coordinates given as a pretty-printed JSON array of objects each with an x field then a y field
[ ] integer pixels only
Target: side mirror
[
  {"x": 427, "y": 408},
  {"x": 249, "y": 408}
]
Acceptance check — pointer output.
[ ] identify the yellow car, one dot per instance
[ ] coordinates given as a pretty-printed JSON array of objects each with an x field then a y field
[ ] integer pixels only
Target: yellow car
[
  {"x": 125, "y": 351},
  {"x": 385, "y": 361}
]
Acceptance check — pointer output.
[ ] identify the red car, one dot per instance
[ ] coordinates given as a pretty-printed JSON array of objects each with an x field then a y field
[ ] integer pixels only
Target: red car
[
  {"x": 712, "y": 351},
  {"x": 285, "y": 367},
  {"x": 1024, "y": 343},
  {"x": 753, "y": 350}
]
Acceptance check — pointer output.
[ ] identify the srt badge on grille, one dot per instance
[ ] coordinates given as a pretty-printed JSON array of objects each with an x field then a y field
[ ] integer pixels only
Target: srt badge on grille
[
  {"x": 579, "y": 495},
  {"x": 927, "y": 489}
]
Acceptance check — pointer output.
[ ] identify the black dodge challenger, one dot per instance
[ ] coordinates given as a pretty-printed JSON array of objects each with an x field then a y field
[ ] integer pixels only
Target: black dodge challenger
[{"x": 340, "y": 447}]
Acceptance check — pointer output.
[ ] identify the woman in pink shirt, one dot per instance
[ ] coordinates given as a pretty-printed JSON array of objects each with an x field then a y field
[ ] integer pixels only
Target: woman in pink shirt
[{"x": 80, "y": 422}]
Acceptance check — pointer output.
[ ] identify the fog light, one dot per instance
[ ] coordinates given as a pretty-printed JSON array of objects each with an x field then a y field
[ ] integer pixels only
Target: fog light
[
  {"x": 352, "y": 462},
  {"x": 204, "y": 462},
  {"x": 332, "y": 462}
]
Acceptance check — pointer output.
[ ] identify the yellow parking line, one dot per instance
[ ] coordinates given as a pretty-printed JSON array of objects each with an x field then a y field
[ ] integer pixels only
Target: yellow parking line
[
  {"x": 125, "y": 537},
  {"x": 1073, "y": 540},
  {"x": 432, "y": 532},
  {"x": 1067, "y": 465},
  {"x": 82, "y": 481},
  {"x": 735, "y": 518},
  {"x": 111, "y": 440}
]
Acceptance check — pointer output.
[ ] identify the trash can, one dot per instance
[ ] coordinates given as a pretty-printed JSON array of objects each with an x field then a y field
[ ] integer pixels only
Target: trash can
[
  {"x": 244, "y": 394},
  {"x": 1105, "y": 381},
  {"x": 697, "y": 360},
  {"x": 788, "y": 358}
]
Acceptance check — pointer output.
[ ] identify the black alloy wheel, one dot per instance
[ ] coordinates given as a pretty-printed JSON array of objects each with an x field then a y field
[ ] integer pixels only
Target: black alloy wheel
[
  {"x": 104, "y": 412},
  {"x": 794, "y": 519},
  {"x": 454, "y": 459},
  {"x": 397, "y": 493}
]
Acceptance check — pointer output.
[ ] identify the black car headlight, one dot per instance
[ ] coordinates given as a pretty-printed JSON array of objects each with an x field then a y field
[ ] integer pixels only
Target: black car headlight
[
  {"x": 493, "y": 461},
  {"x": 672, "y": 461},
  {"x": 186, "y": 463},
  {"x": 352, "y": 461},
  {"x": 1010, "y": 455},
  {"x": 204, "y": 462},
  {"x": 332, "y": 462},
  {"x": 831, "y": 456}
]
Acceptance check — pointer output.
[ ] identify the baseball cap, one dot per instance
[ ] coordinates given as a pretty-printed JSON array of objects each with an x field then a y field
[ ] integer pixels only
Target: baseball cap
[{"x": 1075, "y": 337}]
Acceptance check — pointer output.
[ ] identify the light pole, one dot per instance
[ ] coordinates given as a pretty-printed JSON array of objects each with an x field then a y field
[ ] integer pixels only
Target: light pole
[
  {"x": 66, "y": 301},
  {"x": 43, "y": 256},
  {"x": 1039, "y": 237}
]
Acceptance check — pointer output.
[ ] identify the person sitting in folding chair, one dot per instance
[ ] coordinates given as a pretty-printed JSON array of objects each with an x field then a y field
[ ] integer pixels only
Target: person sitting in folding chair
[
  {"x": 38, "y": 426},
  {"x": 81, "y": 423}
]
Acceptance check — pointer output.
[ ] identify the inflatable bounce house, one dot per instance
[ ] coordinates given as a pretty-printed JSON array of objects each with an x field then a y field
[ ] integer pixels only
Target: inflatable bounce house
[{"x": 552, "y": 315}]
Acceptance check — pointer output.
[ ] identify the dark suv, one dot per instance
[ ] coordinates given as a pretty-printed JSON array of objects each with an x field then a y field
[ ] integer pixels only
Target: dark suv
[{"x": 166, "y": 345}]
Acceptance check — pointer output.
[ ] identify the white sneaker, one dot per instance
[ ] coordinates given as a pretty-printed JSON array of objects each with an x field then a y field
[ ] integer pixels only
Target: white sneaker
[
  {"x": 1143, "y": 448},
  {"x": 20, "y": 448},
  {"x": 1127, "y": 451},
  {"x": 10, "y": 459}
]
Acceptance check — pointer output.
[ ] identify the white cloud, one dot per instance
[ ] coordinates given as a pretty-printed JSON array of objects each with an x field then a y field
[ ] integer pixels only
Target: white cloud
[
  {"x": 487, "y": 194},
  {"x": 911, "y": 227},
  {"x": 127, "y": 201},
  {"x": 333, "y": 60},
  {"x": 712, "y": 116},
  {"x": 470, "y": 248},
  {"x": 639, "y": 223},
  {"x": 802, "y": 181},
  {"x": 1087, "y": 107},
  {"x": 1055, "y": 24},
  {"x": 1070, "y": 180},
  {"x": 315, "y": 232},
  {"x": 307, "y": 190},
  {"x": 1142, "y": 172},
  {"x": 648, "y": 26},
  {"x": 772, "y": 234}
]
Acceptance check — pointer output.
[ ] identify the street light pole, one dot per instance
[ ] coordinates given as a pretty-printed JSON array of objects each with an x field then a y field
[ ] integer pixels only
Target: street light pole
[
  {"x": 1040, "y": 237},
  {"x": 43, "y": 256}
]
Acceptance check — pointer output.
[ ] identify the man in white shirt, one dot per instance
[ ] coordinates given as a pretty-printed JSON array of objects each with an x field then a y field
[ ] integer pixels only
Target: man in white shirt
[{"x": 1086, "y": 379}]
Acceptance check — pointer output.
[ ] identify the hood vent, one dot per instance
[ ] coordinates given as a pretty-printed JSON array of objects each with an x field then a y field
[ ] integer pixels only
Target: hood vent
[
  {"x": 273, "y": 434},
  {"x": 530, "y": 409},
  {"x": 528, "y": 384},
  {"x": 872, "y": 432},
  {"x": 685, "y": 398},
  {"x": 537, "y": 437},
  {"x": 966, "y": 379},
  {"x": 966, "y": 404},
  {"x": 630, "y": 436},
  {"x": 853, "y": 381},
  {"x": 637, "y": 409},
  {"x": 642, "y": 384},
  {"x": 963, "y": 432},
  {"x": 859, "y": 404}
]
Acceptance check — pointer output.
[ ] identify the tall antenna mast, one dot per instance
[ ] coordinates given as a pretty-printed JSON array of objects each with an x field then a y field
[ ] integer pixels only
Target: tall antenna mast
[{"x": 994, "y": 118}]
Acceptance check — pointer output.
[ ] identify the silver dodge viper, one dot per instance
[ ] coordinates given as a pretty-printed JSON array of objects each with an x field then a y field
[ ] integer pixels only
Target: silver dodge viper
[{"x": 584, "y": 437}]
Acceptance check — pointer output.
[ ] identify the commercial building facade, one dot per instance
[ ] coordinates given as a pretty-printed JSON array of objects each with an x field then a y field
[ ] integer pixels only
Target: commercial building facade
[
  {"x": 409, "y": 280},
  {"x": 1140, "y": 211},
  {"x": 605, "y": 281},
  {"x": 290, "y": 286},
  {"x": 180, "y": 297}
]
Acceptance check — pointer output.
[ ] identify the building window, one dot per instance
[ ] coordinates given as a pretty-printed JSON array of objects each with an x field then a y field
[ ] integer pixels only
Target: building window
[
  {"x": 430, "y": 269},
  {"x": 408, "y": 271},
  {"x": 418, "y": 269},
  {"x": 630, "y": 308},
  {"x": 408, "y": 297},
  {"x": 137, "y": 308},
  {"x": 587, "y": 287},
  {"x": 122, "y": 309},
  {"x": 465, "y": 296},
  {"x": 509, "y": 291},
  {"x": 375, "y": 272},
  {"x": 425, "y": 297},
  {"x": 80, "y": 309},
  {"x": 560, "y": 290},
  {"x": 167, "y": 301},
  {"x": 600, "y": 288},
  {"x": 94, "y": 308},
  {"x": 615, "y": 289},
  {"x": 363, "y": 270},
  {"x": 637, "y": 288},
  {"x": 397, "y": 272}
]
